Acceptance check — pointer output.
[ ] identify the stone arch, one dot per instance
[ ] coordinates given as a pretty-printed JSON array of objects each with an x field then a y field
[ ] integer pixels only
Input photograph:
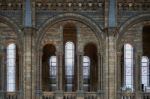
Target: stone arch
[
  {"x": 14, "y": 27},
  {"x": 93, "y": 43},
  {"x": 70, "y": 16},
  {"x": 130, "y": 22}
]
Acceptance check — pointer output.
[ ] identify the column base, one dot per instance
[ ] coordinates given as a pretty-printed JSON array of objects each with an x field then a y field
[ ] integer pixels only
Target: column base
[
  {"x": 59, "y": 94},
  {"x": 80, "y": 94}
]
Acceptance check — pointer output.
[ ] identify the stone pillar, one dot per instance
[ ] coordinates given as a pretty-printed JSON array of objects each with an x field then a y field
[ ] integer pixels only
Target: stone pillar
[
  {"x": 100, "y": 76},
  {"x": 3, "y": 83},
  {"x": 137, "y": 76},
  {"x": 80, "y": 94},
  {"x": 119, "y": 75},
  {"x": 28, "y": 69},
  {"x": 39, "y": 74},
  {"x": 110, "y": 66},
  {"x": 59, "y": 82}
]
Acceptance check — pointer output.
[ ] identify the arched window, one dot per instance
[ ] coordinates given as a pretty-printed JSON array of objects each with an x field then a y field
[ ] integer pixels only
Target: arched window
[
  {"x": 90, "y": 68},
  {"x": 69, "y": 64},
  {"x": 49, "y": 65},
  {"x": 52, "y": 72},
  {"x": 86, "y": 72},
  {"x": 11, "y": 67},
  {"x": 128, "y": 66},
  {"x": 145, "y": 71}
]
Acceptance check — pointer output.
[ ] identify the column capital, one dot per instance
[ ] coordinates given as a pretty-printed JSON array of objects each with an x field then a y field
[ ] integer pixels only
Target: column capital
[
  {"x": 80, "y": 53},
  {"x": 111, "y": 31},
  {"x": 29, "y": 31}
]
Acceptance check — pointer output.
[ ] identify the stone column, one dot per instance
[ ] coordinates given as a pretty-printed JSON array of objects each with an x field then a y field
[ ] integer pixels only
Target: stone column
[
  {"x": 59, "y": 82},
  {"x": 39, "y": 74},
  {"x": 100, "y": 76},
  {"x": 28, "y": 69},
  {"x": 3, "y": 76},
  {"x": 80, "y": 94},
  {"x": 137, "y": 76},
  {"x": 110, "y": 66},
  {"x": 20, "y": 73},
  {"x": 119, "y": 75}
]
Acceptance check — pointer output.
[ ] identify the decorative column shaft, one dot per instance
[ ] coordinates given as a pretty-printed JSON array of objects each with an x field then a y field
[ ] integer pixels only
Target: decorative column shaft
[
  {"x": 59, "y": 71},
  {"x": 3, "y": 84},
  {"x": 80, "y": 71},
  {"x": 137, "y": 76},
  {"x": 28, "y": 71},
  {"x": 119, "y": 74}
]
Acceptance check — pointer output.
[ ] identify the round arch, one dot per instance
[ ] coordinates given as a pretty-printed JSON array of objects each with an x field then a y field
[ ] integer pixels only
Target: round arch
[
  {"x": 69, "y": 16},
  {"x": 14, "y": 27},
  {"x": 130, "y": 22}
]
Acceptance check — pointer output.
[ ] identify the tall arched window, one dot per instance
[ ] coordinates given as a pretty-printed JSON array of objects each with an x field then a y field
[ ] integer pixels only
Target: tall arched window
[
  {"x": 128, "y": 66},
  {"x": 11, "y": 67},
  {"x": 145, "y": 71},
  {"x": 49, "y": 65},
  {"x": 90, "y": 67},
  {"x": 86, "y": 72},
  {"x": 69, "y": 64}
]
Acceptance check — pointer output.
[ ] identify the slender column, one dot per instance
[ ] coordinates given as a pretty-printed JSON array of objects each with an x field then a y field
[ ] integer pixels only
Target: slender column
[
  {"x": 119, "y": 74},
  {"x": 80, "y": 94},
  {"x": 39, "y": 75},
  {"x": 99, "y": 72},
  {"x": 2, "y": 72},
  {"x": 137, "y": 76},
  {"x": 80, "y": 71},
  {"x": 100, "y": 76},
  {"x": 59, "y": 82},
  {"x": 59, "y": 70},
  {"x": 102, "y": 70}
]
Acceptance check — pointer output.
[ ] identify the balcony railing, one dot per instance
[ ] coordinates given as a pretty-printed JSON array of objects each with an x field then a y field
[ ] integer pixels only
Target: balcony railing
[
  {"x": 72, "y": 95},
  {"x": 12, "y": 95},
  {"x": 48, "y": 95},
  {"x": 146, "y": 95}
]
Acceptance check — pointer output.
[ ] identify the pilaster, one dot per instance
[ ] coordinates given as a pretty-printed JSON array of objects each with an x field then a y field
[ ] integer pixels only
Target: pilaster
[
  {"x": 137, "y": 76},
  {"x": 110, "y": 68},
  {"x": 28, "y": 72}
]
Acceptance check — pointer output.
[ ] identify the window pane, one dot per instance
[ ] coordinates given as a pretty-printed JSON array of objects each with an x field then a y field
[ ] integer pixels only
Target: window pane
[
  {"x": 52, "y": 66},
  {"x": 11, "y": 65},
  {"x": 86, "y": 65},
  {"x": 128, "y": 59},
  {"x": 69, "y": 64},
  {"x": 145, "y": 70}
]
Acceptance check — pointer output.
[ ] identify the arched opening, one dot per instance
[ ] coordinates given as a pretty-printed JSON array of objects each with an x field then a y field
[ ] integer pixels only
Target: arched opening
[
  {"x": 145, "y": 78},
  {"x": 12, "y": 68},
  {"x": 90, "y": 68},
  {"x": 49, "y": 68},
  {"x": 127, "y": 68},
  {"x": 146, "y": 40},
  {"x": 144, "y": 72},
  {"x": 69, "y": 39}
]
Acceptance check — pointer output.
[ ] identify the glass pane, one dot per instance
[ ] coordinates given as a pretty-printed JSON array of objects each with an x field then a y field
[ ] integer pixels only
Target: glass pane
[
  {"x": 128, "y": 71},
  {"x": 144, "y": 80},
  {"x": 52, "y": 65},
  {"x": 145, "y": 70},
  {"x": 11, "y": 58},
  {"x": 128, "y": 59}
]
